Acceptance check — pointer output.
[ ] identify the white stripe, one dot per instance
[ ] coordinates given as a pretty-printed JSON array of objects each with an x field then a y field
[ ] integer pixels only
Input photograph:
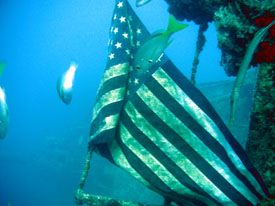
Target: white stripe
[
  {"x": 110, "y": 97},
  {"x": 115, "y": 71},
  {"x": 108, "y": 123}
]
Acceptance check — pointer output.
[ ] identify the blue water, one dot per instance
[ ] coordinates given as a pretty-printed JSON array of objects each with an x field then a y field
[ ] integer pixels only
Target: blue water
[{"x": 42, "y": 156}]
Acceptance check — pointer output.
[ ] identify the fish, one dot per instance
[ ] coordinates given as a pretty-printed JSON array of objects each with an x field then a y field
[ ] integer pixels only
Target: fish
[
  {"x": 243, "y": 69},
  {"x": 152, "y": 49},
  {"x": 2, "y": 67},
  {"x": 64, "y": 84},
  {"x": 142, "y": 2},
  {"x": 4, "y": 114}
]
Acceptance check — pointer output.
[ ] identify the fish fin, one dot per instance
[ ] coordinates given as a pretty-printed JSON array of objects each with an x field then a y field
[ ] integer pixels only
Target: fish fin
[
  {"x": 174, "y": 25},
  {"x": 2, "y": 67}
]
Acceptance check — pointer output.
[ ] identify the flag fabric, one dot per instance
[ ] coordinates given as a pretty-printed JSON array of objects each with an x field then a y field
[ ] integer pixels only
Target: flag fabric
[{"x": 161, "y": 129}]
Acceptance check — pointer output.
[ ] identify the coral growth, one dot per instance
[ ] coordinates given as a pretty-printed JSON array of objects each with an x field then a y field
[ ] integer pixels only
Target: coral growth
[
  {"x": 199, "y": 11},
  {"x": 236, "y": 25},
  {"x": 260, "y": 145},
  {"x": 236, "y": 21}
]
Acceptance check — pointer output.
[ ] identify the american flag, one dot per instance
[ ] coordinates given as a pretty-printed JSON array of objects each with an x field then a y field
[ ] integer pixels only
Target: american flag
[{"x": 161, "y": 129}]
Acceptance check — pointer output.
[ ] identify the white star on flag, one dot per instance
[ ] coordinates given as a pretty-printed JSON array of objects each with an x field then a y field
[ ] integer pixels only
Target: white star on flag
[
  {"x": 116, "y": 30},
  {"x": 120, "y": 4},
  {"x": 138, "y": 31},
  {"x": 118, "y": 45},
  {"x": 112, "y": 55},
  {"x": 125, "y": 35},
  {"x": 122, "y": 19}
]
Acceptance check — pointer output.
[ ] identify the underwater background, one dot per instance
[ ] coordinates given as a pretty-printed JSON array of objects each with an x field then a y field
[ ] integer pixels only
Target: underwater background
[{"x": 43, "y": 154}]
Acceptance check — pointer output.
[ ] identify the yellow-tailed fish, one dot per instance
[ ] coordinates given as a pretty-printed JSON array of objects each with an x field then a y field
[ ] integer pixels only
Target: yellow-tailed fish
[
  {"x": 4, "y": 115},
  {"x": 142, "y": 2},
  {"x": 64, "y": 84},
  {"x": 150, "y": 51}
]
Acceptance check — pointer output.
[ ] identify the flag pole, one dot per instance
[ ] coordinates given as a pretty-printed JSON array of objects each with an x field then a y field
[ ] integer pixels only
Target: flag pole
[
  {"x": 91, "y": 199},
  {"x": 79, "y": 193}
]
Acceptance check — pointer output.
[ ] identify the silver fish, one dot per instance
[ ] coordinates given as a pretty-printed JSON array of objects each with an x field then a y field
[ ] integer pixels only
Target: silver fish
[
  {"x": 152, "y": 49},
  {"x": 64, "y": 84},
  {"x": 4, "y": 115},
  {"x": 142, "y": 2}
]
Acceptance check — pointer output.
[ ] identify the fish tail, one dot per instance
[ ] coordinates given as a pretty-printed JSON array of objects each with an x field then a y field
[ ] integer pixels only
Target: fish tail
[{"x": 174, "y": 25}]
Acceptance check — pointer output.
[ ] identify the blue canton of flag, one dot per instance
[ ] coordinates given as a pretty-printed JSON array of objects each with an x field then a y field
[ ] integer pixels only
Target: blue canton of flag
[{"x": 160, "y": 128}]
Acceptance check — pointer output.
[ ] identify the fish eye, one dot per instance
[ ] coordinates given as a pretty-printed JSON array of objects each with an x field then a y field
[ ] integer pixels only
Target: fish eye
[
  {"x": 150, "y": 61},
  {"x": 138, "y": 67}
]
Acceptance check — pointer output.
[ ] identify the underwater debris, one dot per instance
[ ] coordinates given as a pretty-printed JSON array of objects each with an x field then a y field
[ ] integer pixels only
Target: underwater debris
[
  {"x": 90, "y": 199},
  {"x": 199, "y": 46},
  {"x": 96, "y": 200}
]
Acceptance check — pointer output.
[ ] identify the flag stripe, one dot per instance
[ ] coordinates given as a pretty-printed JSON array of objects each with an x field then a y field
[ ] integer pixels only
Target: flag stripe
[
  {"x": 105, "y": 152},
  {"x": 182, "y": 130},
  {"x": 103, "y": 137},
  {"x": 115, "y": 71},
  {"x": 203, "y": 103},
  {"x": 110, "y": 97},
  {"x": 112, "y": 84},
  {"x": 157, "y": 147},
  {"x": 153, "y": 178},
  {"x": 107, "y": 111},
  {"x": 108, "y": 124},
  {"x": 120, "y": 159},
  {"x": 193, "y": 125},
  {"x": 188, "y": 151}
]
